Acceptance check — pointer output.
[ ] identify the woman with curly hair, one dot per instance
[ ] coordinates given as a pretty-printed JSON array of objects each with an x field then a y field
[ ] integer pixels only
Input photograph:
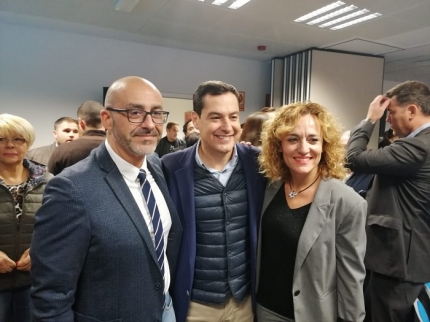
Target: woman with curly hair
[{"x": 312, "y": 238}]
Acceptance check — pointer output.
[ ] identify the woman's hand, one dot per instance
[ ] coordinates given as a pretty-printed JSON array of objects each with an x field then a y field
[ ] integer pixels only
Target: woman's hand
[
  {"x": 24, "y": 263},
  {"x": 6, "y": 264}
]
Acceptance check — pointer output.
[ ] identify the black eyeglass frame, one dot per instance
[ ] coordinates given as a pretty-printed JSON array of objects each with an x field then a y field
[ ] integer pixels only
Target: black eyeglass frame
[{"x": 165, "y": 114}]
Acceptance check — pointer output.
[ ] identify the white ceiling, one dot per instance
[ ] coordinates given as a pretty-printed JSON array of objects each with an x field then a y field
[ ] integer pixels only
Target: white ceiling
[{"x": 401, "y": 34}]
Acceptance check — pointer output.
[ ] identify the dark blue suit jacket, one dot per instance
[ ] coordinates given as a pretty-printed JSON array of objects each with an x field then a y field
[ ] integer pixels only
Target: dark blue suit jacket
[
  {"x": 178, "y": 168},
  {"x": 92, "y": 255}
]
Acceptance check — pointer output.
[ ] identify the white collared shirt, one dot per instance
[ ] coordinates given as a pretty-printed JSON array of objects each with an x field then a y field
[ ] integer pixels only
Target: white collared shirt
[
  {"x": 130, "y": 175},
  {"x": 225, "y": 173}
]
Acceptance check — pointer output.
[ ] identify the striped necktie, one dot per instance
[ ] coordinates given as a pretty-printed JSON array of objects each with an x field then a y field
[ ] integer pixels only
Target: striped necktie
[{"x": 155, "y": 218}]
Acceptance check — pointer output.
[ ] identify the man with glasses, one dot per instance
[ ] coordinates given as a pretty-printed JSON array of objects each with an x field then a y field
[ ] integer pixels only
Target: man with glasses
[{"x": 107, "y": 235}]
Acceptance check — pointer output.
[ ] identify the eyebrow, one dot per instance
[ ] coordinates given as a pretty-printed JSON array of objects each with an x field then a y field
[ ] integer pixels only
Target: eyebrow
[
  {"x": 141, "y": 107},
  {"x": 310, "y": 135},
  {"x": 220, "y": 114}
]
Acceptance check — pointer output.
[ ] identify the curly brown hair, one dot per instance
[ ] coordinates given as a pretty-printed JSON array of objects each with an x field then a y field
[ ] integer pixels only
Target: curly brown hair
[{"x": 332, "y": 159}]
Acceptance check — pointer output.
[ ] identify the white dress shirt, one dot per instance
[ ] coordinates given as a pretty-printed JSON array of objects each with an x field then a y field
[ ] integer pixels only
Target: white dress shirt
[{"x": 130, "y": 175}]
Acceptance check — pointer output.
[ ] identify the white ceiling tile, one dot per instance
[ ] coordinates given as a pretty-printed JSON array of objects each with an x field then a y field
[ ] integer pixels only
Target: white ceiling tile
[{"x": 192, "y": 25}]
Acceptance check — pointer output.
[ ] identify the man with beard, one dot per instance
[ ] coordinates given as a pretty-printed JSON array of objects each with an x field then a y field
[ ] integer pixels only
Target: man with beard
[{"x": 106, "y": 238}]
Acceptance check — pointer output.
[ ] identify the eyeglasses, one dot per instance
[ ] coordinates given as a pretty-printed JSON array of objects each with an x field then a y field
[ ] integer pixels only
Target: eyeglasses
[
  {"x": 15, "y": 141},
  {"x": 139, "y": 116}
]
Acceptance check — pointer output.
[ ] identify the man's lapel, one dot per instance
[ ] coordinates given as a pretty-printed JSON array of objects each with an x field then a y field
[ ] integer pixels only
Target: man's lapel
[{"x": 116, "y": 181}]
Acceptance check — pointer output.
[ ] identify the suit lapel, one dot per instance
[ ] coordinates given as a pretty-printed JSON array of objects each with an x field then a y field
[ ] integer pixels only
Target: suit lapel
[
  {"x": 125, "y": 198},
  {"x": 315, "y": 222}
]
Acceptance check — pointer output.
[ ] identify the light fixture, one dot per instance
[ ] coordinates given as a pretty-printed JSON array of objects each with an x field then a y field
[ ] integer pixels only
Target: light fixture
[
  {"x": 320, "y": 11},
  {"x": 125, "y": 5},
  {"x": 332, "y": 15},
  {"x": 238, "y": 3},
  {"x": 351, "y": 15},
  {"x": 353, "y": 22},
  {"x": 219, "y": 2}
]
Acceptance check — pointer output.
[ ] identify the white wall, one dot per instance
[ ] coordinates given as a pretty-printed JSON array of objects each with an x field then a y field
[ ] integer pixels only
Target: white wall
[
  {"x": 47, "y": 74},
  {"x": 346, "y": 84}
]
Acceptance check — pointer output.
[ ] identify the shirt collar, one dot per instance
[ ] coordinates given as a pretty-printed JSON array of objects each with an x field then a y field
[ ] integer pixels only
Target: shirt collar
[
  {"x": 199, "y": 161},
  {"x": 129, "y": 171},
  {"x": 418, "y": 130}
]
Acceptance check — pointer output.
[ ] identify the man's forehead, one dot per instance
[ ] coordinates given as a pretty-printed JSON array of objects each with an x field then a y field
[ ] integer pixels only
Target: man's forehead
[{"x": 67, "y": 125}]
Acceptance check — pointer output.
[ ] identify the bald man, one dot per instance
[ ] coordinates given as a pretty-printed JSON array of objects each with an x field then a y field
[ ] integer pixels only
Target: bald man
[{"x": 96, "y": 253}]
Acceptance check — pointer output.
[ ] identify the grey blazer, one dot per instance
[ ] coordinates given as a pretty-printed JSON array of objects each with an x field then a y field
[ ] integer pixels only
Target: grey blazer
[
  {"x": 398, "y": 223},
  {"x": 329, "y": 269}
]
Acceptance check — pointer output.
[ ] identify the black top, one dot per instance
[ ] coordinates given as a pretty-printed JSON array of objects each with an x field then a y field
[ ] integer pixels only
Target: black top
[
  {"x": 281, "y": 229},
  {"x": 164, "y": 146}
]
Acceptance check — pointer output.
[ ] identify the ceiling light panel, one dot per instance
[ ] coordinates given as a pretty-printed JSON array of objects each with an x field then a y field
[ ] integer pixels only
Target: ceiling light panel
[
  {"x": 350, "y": 16},
  {"x": 334, "y": 14},
  {"x": 238, "y": 3},
  {"x": 231, "y": 4},
  {"x": 219, "y": 2},
  {"x": 356, "y": 21},
  {"x": 320, "y": 11}
]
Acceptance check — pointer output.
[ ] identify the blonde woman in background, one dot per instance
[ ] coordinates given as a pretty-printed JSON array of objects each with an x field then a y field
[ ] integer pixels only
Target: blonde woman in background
[
  {"x": 22, "y": 183},
  {"x": 312, "y": 238}
]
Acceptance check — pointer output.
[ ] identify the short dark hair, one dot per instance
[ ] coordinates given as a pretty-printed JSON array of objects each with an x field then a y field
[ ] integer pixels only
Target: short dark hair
[
  {"x": 171, "y": 124},
  {"x": 64, "y": 119},
  {"x": 90, "y": 113},
  {"x": 184, "y": 128},
  {"x": 211, "y": 88},
  {"x": 412, "y": 92}
]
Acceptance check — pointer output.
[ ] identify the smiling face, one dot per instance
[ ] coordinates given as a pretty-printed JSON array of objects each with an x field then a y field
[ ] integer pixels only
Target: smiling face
[
  {"x": 218, "y": 124},
  {"x": 302, "y": 147},
  {"x": 132, "y": 141}
]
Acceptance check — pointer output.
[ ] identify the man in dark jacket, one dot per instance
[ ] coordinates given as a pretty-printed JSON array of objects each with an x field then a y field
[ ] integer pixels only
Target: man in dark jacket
[
  {"x": 94, "y": 133},
  {"x": 398, "y": 223},
  {"x": 219, "y": 212}
]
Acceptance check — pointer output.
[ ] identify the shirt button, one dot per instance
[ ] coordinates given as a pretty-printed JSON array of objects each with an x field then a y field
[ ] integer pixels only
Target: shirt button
[
  {"x": 296, "y": 293},
  {"x": 157, "y": 286}
]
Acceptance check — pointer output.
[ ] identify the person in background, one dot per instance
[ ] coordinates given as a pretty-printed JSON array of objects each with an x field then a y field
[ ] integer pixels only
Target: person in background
[
  {"x": 251, "y": 131},
  {"x": 398, "y": 222},
  {"x": 65, "y": 130},
  {"x": 22, "y": 183},
  {"x": 170, "y": 143},
  {"x": 189, "y": 128},
  {"x": 312, "y": 238},
  {"x": 107, "y": 236},
  {"x": 219, "y": 210},
  {"x": 192, "y": 139},
  {"x": 93, "y": 134},
  {"x": 388, "y": 138}
]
